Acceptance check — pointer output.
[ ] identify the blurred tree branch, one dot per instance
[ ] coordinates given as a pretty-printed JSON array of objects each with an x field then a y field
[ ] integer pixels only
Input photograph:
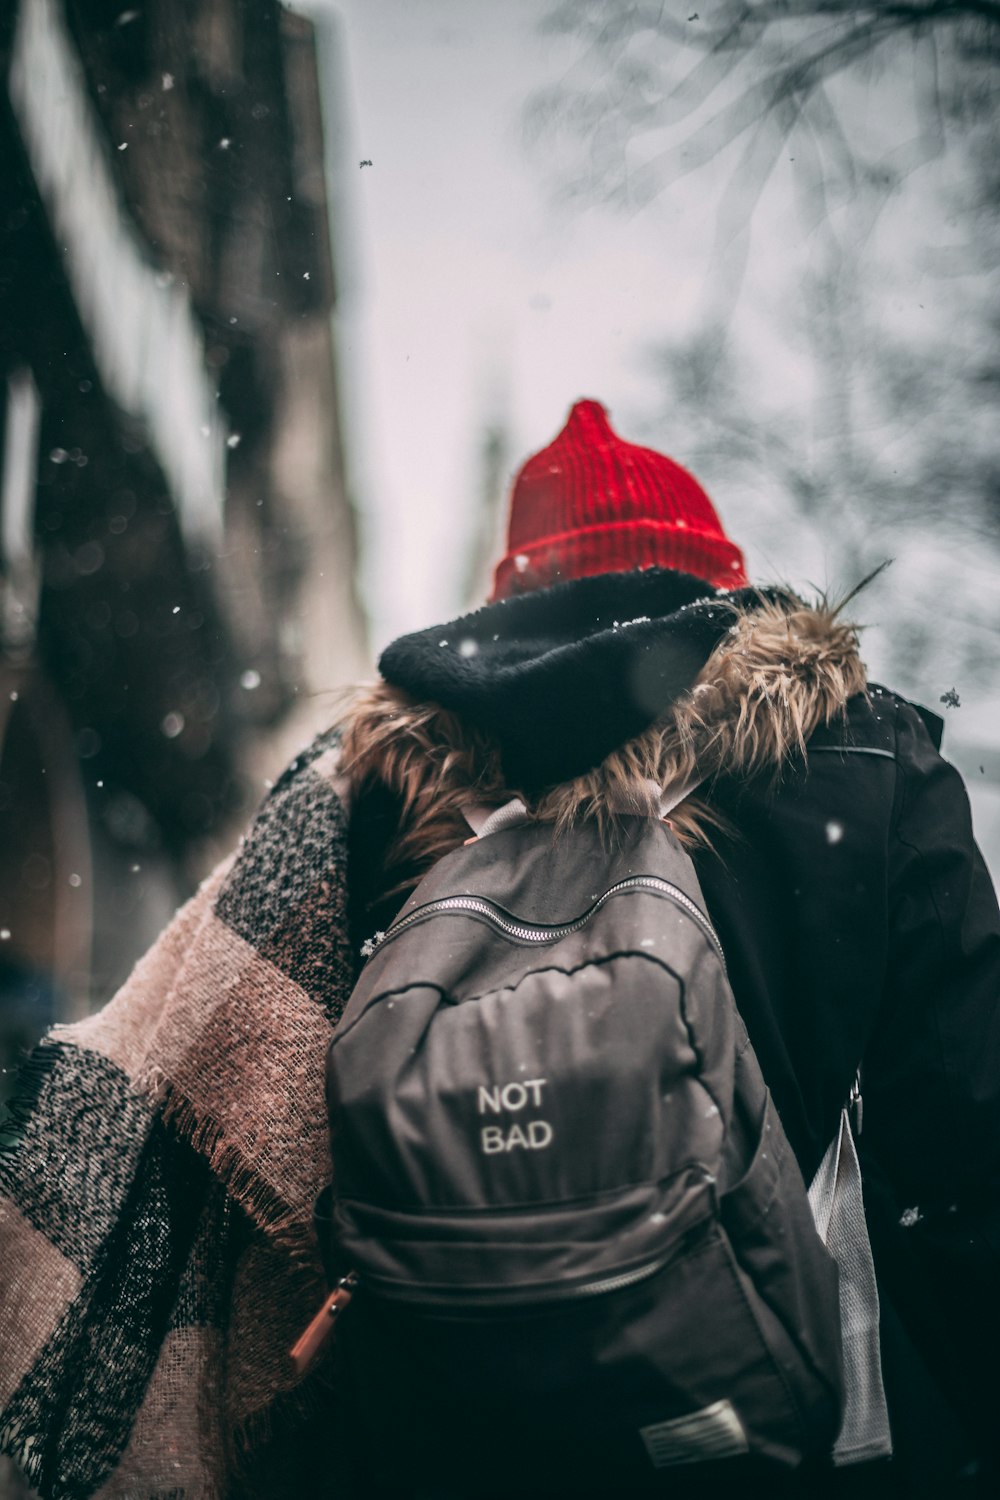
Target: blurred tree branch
[
  {"x": 645, "y": 70},
  {"x": 892, "y": 427}
]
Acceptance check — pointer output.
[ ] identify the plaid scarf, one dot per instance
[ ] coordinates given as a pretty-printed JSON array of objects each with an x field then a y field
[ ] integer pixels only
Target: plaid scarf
[{"x": 156, "y": 1239}]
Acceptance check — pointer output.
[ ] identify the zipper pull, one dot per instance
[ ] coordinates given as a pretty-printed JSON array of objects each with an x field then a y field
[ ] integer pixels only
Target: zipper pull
[
  {"x": 856, "y": 1104},
  {"x": 309, "y": 1343}
]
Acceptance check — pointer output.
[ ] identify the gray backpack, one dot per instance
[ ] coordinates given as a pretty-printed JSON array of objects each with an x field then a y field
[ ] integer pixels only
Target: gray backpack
[{"x": 582, "y": 1247}]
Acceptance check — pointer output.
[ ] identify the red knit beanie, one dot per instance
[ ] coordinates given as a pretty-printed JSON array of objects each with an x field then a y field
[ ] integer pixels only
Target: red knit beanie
[{"x": 591, "y": 503}]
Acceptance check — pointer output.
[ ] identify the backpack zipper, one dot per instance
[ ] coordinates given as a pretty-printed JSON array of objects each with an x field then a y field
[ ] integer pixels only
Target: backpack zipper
[
  {"x": 311, "y": 1340},
  {"x": 530, "y": 932},
  {"x": 504, "y": 1302},
  {"x": 609, "y": 1283}
]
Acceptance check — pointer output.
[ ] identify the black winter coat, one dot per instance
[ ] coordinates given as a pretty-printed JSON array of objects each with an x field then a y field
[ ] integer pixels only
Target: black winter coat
[{"x": 861, "y": 928}]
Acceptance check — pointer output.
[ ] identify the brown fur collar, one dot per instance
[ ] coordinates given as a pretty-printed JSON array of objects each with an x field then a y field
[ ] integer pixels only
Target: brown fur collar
[{"x": 781, "y": 671}]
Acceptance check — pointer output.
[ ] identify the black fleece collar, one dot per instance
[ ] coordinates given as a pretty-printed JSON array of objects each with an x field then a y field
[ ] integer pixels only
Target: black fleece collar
[{"x": 563, "y": 675}]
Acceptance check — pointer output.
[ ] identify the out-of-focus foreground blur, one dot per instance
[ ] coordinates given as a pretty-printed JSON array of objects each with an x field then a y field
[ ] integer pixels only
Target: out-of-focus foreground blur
[{"x": 176, "y": 539}]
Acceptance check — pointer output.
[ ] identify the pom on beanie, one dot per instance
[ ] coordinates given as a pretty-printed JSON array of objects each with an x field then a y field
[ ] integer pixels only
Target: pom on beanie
[{"x": 592, "y": 503}]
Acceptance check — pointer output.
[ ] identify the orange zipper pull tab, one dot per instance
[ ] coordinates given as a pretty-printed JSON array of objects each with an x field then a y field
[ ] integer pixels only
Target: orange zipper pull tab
[{"x": 305, "y": 1349}]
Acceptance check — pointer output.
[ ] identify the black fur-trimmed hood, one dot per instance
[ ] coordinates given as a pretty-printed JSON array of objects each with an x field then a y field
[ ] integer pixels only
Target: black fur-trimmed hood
[
  {"x": 591, "y": 699},
  {"x": 560, "y": 677}
]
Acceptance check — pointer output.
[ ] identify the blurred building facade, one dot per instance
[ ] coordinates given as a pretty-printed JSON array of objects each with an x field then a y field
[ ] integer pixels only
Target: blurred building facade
[{"x": 177, "y": 545}]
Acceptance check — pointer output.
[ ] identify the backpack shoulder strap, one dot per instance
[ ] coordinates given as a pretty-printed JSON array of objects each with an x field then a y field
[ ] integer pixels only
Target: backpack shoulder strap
[{"x": 485, "y": 818}]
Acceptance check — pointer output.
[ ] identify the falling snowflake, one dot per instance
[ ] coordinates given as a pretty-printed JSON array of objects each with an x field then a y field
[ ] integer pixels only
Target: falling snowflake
[
  {"x": 468, "y": 647},
  {"x": 950, "y": 699},
  {"x": 167, "y": 82},
  {"x": 834, "y": 832},
  {"x": 909, "y": 1217}
]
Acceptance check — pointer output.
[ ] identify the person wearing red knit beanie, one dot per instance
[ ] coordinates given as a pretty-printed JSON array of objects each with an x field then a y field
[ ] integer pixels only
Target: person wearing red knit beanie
[
  {"x": 160, "y": 1202},
  {"x": 622, "y": 657}
]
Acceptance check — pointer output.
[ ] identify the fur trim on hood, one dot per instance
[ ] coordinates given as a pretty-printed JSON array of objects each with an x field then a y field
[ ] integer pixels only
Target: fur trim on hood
[{"x": 781, "y": 669}]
